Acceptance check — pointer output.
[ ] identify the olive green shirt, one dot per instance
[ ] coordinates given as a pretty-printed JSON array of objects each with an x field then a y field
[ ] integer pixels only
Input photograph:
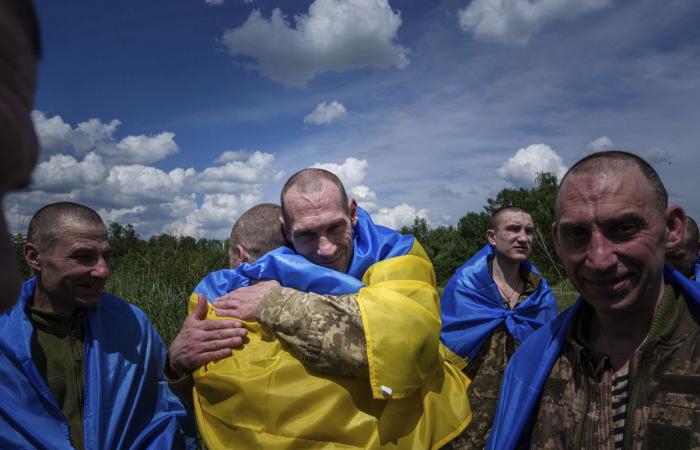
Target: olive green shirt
[{"x": 58, "y": 353}]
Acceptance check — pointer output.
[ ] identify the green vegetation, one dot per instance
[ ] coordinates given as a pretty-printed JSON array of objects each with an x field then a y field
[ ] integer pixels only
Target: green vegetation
[{"x": 158, "y": 274}]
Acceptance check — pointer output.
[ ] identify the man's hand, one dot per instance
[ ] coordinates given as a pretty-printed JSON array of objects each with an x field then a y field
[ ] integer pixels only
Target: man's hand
[
  {"x": 243, "y": 302},
  {"x": 201, "y": 341}
]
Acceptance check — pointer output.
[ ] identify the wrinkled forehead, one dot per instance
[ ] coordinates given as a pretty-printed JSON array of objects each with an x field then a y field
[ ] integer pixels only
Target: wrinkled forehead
[
  {"x": 610, "y": 185},
  {"x": 300, "y": 204}
]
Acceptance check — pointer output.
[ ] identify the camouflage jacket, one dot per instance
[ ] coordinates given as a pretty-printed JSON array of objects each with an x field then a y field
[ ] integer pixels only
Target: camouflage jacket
[
  {"x": 323, "y": 331},
  {"x": 485, "y": 372},
  {"x": 663, "y": 406}
]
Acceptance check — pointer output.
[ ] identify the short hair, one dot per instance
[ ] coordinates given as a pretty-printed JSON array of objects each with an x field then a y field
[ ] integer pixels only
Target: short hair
[
  {"x": 309, "y": 181},
  {"x": 258, "y": 230},
  {"x": 51, "y": 221},
  {"x": 496, "y": 215},
  {"x": 611, "y": 158},
  {"x": 25, "y": 13}
]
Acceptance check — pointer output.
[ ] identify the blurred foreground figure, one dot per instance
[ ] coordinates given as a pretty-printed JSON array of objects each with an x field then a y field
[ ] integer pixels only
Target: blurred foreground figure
[
  {"x": 81, "y": 368},
  {"x": 489, "y": 306},
  {"x": 620, "y": 368},
  {"x": 19, "y": 51}
]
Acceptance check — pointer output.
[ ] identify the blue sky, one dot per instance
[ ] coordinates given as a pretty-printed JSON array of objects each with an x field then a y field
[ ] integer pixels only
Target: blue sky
[{"x": 177, "y": 116}]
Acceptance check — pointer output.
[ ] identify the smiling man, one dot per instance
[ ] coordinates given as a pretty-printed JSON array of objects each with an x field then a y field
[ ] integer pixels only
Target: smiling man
[
  {"x": 489, "y": 306},
  {"x": 343, "y": 346},
  {"x": 620, "y": 369},
  {"x": 81, "y": 368}
]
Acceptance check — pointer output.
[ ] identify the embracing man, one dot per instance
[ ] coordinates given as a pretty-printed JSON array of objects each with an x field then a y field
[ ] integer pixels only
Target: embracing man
[
  {"x": 343, "y": 337},
  {"x": 81, "y": 368},
  {"x": 621, "y": 368},
  {"x": 489, "y": 306}
]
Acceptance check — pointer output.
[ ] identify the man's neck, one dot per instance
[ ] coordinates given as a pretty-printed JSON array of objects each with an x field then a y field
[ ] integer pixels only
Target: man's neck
[
  {"x": 43, "y": 301},
  {"x": 619, "y": 334},
  {"x": 506, "y": 271}
]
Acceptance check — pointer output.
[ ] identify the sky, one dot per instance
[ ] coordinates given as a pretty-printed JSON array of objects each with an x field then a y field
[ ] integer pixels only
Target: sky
[{"x": 176, "y": 116}]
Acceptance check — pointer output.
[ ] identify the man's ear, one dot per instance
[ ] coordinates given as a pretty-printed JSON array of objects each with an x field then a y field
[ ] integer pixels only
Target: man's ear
[
  {"x": 243, "y": 254},
  {"x": 32, "y": 256},
  {"x": 491, "y": 237},
  {"x": 675, "y": 226},
  {"x": 352, "y": 208},
  {"x": 284, "y": 229}
]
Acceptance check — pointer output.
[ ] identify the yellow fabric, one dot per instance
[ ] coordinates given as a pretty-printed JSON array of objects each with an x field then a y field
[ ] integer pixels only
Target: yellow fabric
[{"x": 262, "y": 397}]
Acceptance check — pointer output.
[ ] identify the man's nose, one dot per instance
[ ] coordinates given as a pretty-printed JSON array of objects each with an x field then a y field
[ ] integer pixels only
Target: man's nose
[
  {"x": 601, "y": 253},
  {"x": 101, "y": 269},
  {"x": 326, "y": 248}
]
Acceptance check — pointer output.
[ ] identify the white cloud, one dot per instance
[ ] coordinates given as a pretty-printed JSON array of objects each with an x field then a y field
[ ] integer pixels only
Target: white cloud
[
  {"x": 333, "y": 35},
  {"x": 516, "y": 21},
  {"x": 399, "y": 216},
  {"x": 522, "y": 169},
  {"x": 657, "y": 155},
  {"x": 237, "y": 176},
  {"x": 214, "y": 217},
  {"x": 214, "y": 2},
  {"x": 600, "y": 144},
  {"x": 63, "y": 173},
  {"x": 351, "y": 172},
  {"x": 136, "y": 183},
  {"x": 57, "y": 136},
  {"x": 233, "y": 155},
  {"x": 325, "y": 113},
  {"x": 365, "y": 197}
]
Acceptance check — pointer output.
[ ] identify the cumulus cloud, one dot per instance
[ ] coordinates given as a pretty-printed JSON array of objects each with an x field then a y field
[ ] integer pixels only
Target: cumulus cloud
[
  {"x": 325, "y": 113},
  {"x": 522, "y": 168},
  {"x": 351, "y": 172},
  {"x": 516, "y": 21},
  {"x": 399, "y": 216},
  {"x": 600, "y": 144},
  {"x": 93, "y": 135},
  {"x": 232, "y": 155},
  {"x": 657, "y": 155},
  {"x": 333, "y": 35},
  {"x": 237, "y": 176},
  {"x": 214, "y": 217},
  {"x": 64, "y": 173}
]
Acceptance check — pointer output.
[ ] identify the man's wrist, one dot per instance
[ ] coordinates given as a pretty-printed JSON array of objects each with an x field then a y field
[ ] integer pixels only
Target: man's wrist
[{"x": 270, "y": 307}]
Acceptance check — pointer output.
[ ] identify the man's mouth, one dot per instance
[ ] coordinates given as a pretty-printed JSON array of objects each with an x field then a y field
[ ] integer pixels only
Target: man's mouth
[{"x": 613, "y": 284}]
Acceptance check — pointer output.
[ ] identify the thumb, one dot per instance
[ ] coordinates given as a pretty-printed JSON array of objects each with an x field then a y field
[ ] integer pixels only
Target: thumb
[{"x": 200, "y": 311}]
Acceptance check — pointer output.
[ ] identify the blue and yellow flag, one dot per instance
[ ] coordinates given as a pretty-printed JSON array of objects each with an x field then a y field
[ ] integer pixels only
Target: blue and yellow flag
[
  {"x": 530, "y": 365},
  {"x": 472, "y": 307},
  {"x": 263, "y": 397}
]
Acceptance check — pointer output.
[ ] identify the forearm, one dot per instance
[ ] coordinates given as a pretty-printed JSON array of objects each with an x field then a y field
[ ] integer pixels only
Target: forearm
[{"x": 325, "y": 332}]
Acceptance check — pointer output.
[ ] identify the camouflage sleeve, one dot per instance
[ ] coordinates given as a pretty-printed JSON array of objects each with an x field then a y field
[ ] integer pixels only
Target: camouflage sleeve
[{"x": 324, "y": 332}]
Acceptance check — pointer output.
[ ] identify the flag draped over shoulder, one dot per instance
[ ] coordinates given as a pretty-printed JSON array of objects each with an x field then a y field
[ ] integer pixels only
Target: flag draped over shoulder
[
  {"x": 472, "y": 307},
  {"x": 263, "y": 397},
  {"x": 697, "y": 268},
  {"x": 128, "y": 404},
  {"x": 530, "y": 365}
]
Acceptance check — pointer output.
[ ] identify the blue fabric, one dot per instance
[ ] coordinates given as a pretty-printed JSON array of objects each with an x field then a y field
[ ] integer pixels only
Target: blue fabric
[
  {"x": 371, "y": 243},
  {"x": 127, "y": 403},
  {"x": 697, "y": 268},
  {"x": 472, "y": 307},
  {"x": 529, "y": 369}
]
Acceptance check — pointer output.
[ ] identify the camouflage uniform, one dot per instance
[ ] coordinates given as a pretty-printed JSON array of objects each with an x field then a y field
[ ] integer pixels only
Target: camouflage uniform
[
  {"x": 663, "y": 406},
  {"x": 486, "y": 371},
  {"x": 323, "y": 331}
]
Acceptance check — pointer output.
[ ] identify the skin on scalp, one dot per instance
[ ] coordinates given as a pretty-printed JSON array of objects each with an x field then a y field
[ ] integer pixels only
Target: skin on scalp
[
  {"x": 18, "y": 143},
  {"x": 611, "y": 233},
  {"x": 318, "y": 218},
  {"x": 255, "y": 233},
  {"x": 68, "y": 250}
]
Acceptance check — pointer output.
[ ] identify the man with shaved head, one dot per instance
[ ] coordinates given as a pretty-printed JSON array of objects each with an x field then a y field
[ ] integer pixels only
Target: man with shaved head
[
  {"x": 489, "y": 306},
  {"x": 80, "y": 367},
  {"x": 684, "y": 256},
  {"x": 343, "y": 337},
  {"x": 19, "y": 51},
  {"x": 620, "y": 367}
]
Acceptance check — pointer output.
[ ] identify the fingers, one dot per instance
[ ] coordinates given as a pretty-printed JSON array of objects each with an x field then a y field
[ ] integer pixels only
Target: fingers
[{"x": 224, "y": 303}]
